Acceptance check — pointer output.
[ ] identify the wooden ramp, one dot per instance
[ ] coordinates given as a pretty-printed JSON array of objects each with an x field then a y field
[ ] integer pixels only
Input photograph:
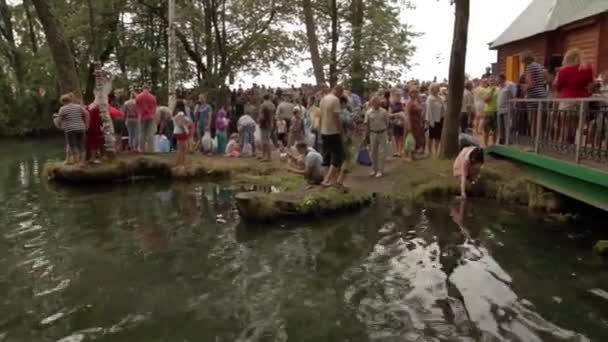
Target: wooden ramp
[{"x": 580, "y": 182}]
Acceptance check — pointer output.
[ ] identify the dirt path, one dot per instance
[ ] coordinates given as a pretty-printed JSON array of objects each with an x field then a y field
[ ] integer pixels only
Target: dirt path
[{"x": 360, "y": 180}]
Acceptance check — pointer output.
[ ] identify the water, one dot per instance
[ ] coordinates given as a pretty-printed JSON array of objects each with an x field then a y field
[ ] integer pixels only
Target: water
[{"x": 154, "y": 262}]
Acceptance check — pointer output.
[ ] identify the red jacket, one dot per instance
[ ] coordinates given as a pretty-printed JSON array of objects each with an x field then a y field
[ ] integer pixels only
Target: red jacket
[
  {"x": 573, "y": 81},
  {"x": 145, "y": 104}
]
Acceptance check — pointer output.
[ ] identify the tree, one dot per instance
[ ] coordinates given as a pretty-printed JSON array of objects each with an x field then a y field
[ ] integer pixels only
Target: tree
[
  {"x": 67, "y": 73},
  {"x": 361, "y": 41},
  {"x": 449, "y": 137},
  {"x": 357, "y": 71},
  {"x": 313, "y": 42}
]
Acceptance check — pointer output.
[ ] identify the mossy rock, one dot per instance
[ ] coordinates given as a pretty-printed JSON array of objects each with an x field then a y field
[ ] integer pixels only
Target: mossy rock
[{"x": 303, "y": 203}]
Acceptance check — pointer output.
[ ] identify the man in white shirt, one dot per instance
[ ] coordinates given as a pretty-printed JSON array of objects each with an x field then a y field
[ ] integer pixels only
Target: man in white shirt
[
  {"x": 467, "y": 113},
  {"x": 507, "y": 92},
  {"x": 331, "y": 135}
]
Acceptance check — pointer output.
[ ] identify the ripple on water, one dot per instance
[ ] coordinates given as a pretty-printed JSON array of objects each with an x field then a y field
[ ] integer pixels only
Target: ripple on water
[
  {"x": 401, "y": 292},
  {"x": 61, "y": 286}
]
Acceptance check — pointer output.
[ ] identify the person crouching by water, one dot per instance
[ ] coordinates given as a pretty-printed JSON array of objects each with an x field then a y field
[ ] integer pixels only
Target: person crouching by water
[
  {"x": 467, "y": 167},
  {"x": 376, "y": 121},
  {"x": 181, "y": 132},
  {"x": 312, "y": 168},
  {"x": 74, "y": 119}
]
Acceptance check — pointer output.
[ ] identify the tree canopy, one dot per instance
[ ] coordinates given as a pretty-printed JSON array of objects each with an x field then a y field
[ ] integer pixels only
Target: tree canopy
[{"x": 49, "y": 47}]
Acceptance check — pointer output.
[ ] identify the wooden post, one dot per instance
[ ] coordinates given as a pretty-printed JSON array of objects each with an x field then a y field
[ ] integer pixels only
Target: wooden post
[
  {"x": 172, "y": 56},
  {"x": 579, "y": 132}
]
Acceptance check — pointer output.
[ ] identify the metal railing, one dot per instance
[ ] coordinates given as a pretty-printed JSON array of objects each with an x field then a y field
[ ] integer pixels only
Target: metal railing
[{"x": 575, "y": 129}]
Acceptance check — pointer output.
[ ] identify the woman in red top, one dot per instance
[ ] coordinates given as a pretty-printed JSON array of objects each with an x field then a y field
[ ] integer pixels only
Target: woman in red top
[
  {"x": 573, "y": 81},
  {"x": 94, "y": 139},
  {"x": 118, "y": 120}
]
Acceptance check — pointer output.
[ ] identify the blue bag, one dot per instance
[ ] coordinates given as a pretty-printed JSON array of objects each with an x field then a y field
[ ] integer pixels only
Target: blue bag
[{"x": 363, "y": 157}]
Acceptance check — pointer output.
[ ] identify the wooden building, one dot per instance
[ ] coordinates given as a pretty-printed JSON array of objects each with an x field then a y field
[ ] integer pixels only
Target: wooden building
[{"x": 549, "y": 28}]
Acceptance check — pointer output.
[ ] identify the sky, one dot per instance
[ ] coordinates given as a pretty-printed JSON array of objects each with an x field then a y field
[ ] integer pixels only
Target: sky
[{"x": 434, "y": 18}]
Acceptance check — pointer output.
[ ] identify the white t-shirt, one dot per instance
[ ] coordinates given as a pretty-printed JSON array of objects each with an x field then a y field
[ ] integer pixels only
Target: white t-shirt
[{"x": 330, "y": 107}]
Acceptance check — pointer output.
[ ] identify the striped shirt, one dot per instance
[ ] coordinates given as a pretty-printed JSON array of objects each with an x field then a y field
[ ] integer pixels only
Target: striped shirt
[
  {"x": 72, "y": 117},
  {"x": 537, "y": 90}
]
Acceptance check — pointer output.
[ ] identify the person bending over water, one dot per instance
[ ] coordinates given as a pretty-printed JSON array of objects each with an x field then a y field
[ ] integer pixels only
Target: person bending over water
[
  {"x": 467, "y": 166},
  {"x": 313, "y": 164}
]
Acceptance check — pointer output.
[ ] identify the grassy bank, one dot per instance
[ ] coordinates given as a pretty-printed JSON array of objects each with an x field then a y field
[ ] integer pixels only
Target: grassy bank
[{"x": 409, "y": 182}]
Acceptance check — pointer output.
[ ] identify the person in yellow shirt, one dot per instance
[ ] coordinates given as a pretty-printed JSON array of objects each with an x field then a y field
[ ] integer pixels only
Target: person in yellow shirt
[{"x": 490, "y": 98}]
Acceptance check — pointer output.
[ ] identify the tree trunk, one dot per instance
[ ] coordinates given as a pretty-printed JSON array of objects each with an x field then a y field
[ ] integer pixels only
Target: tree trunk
[
  {"x": 14, "y": 54},
  {"x": 209, "y": 42},
  {"x": 313, "y": 42},
  {"x": 63, "y": 59},
  {"x": 335, "y": 37},
  {"x": 357, "y": 73},
  {"x": 449, "y": 137},
  {"x": 30, "y": 24}
]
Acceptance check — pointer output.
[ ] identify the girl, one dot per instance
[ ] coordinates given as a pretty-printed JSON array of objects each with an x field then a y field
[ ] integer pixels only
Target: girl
[
  {"x": 221, "y": 125},
  {"x": 296, "y": 130},
  {"x": 467, "y": 166},
  {"x": 281, "y": 125},
  {"x": 435, "y": 110},
  {"x": 180, "y": 132},
  {"x": 414, "y": 115},
  {"x": 233, "y": 149},
  {"x": 396, "y": 107}
]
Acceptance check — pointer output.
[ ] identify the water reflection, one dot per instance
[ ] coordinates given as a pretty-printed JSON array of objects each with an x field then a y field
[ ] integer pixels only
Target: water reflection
[
  {"x": 172, "y": 262},
  {"x": 430, "y": 283}
]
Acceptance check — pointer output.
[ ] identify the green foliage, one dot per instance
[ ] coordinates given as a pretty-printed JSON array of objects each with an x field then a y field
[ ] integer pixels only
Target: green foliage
[{"x": 215, "y": 40}]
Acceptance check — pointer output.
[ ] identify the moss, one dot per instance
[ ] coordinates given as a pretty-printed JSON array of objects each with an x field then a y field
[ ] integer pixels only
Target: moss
[
  {"x": 601, "y": 248},
  {"x": 408, "y": 183},
  {"x": 299, "y": 203}
]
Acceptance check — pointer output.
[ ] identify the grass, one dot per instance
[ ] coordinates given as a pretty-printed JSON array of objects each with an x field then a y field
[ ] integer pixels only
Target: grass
[{"x": 410, "y": 182}]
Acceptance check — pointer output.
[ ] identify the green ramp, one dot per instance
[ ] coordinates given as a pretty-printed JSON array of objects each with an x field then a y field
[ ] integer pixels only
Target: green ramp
[{"x": 577, "y": 181}]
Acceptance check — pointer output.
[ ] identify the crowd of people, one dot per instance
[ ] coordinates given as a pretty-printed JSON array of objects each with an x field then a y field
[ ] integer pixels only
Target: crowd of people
[{"x": 317, "y": 129}]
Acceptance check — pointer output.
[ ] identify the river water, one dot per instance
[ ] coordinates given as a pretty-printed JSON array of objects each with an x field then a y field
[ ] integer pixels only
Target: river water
[{"x": 154, "y": 261}]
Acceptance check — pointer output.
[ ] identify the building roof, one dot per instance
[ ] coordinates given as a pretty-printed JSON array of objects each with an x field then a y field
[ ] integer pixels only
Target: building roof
[{"x": 548, "y": 15}]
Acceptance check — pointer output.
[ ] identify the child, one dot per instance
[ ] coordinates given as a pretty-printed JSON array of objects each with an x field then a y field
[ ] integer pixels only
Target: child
[
  {"x": 221, "y": 125},
  {"x": 233, "y": 149},
  {"x": 281, "y": 131},
  {"x": 467, "y": 166},
  {"x": 181, "y": 132}
]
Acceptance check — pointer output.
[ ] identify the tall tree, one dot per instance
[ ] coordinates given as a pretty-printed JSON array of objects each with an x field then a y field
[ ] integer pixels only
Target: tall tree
[
  {"x": 313, "y": 42},
  {"x": 335, "y": 39},
  {"x": 67, "y": 74},
  {"x": 7, "y": 37},
  {"x": 449, "y": 137},
  {"x": 357, "y": 71}
]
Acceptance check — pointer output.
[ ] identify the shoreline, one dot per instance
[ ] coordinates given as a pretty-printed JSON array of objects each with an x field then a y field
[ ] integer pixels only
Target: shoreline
[{"x": 414, "y": 182}]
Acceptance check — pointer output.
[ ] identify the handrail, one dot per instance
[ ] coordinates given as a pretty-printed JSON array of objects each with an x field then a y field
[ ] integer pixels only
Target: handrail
[
  {"x": 566, "y": 129},
  {"x": 557, "y": 99}
]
